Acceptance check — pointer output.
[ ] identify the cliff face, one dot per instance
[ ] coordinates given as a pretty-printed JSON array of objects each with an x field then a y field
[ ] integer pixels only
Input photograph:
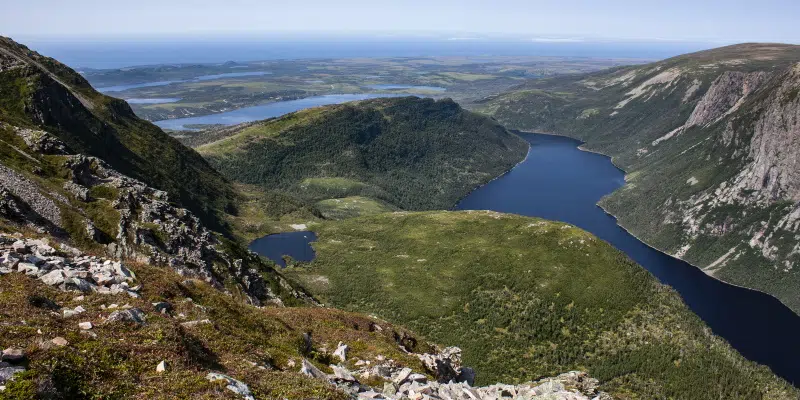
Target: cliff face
[{"x": 710, "y": 142}]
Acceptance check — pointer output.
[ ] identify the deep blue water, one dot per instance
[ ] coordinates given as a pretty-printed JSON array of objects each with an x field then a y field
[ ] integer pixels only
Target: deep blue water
[
  {"x": 294, "y": 244},
  {"x": 154, "y": 101},
  {"x": 560, "y": 182},
  {"x": 255, "y": 113},
  {"x": 401, "y": 87}
]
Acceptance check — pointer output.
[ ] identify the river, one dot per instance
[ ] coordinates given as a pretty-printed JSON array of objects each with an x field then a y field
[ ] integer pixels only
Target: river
[{"x": 560, "y": 182}]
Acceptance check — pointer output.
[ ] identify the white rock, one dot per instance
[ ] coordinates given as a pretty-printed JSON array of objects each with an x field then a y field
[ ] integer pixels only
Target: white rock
[
  {"x": 85, "y": 325},
  {"x": 161, "y": 367},
  {"x": 341, "y": 351},
  {"x": 53, "y": 278},
  {"x": 233, "y": 385}
]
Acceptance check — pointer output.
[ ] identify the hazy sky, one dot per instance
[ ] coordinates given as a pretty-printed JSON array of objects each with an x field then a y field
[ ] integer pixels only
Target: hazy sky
[{"x": 706, "y": 20}]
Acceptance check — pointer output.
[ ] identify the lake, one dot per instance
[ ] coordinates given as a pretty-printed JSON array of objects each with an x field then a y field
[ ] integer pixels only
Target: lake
[
  {"x": 293, "y": 244},
  {"x": 560, "y": 182},
  {"x": 255, "y": 113}
]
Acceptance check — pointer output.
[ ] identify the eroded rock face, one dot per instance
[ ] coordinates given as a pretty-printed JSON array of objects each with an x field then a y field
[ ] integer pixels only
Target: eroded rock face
[
  {"x": 725, "y": 95},
  {"x": 775, "y": 145}
]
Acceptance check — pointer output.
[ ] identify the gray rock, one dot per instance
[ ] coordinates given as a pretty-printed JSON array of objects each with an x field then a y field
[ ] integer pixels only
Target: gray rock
[
  {"x": 233, "y": 385},
  {"x": 309, "y": 369},
  {"x": 20, "y": 247},
  {"x": 402, "y": 376},
  {"x": 77, "y": 284},
  {"x": 13, "y": 355},
  {"x": 53, "y": 278},
  {"x": 191, "y": 324},
  {"x": 134, "y": 315},
  {"x": 342, "y": 373},
  {"x": 163, "y": 307},
  {"x": 27, "y": 268},
  {"x": 341, "y": 351},
  {"x": 389, "y": 389},
  {"x": 7, "y": 373},
  {"x": 467, "y": 375},
  {"x": 417, "y": 378}
]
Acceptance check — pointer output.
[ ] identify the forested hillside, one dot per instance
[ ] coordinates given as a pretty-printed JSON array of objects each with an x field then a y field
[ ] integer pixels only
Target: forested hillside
[{"x": 411, "y": 153}]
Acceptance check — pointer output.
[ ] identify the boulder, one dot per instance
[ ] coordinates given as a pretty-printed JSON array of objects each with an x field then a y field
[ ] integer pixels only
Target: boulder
[
  {"x": 27, "y": 268},
  {"x": 163, "y": 307},
  {"x": 233, "y": 385},
  {"x": 309, "y": 369},
  {"x": 402, "y": 376},
  {"x": 20, "y": 247},
  {"x": 341, "y": 352},
  {"x": 53, "y": 278},
  {"x": 134, "y": 315},
  {"x": 7, "y": 373},
  {"x": 467, "y": 375},
  {"x": 342, "y": 373},
  {"x": 389, "y": 389},
  {"x": 60, "y": 341},
  {"x": 85, "y": 325},
  {"x": 13, "y": 355}
]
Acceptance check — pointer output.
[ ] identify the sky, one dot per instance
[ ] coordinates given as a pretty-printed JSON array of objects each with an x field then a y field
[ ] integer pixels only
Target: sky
[{"x": 721, "y": 21}]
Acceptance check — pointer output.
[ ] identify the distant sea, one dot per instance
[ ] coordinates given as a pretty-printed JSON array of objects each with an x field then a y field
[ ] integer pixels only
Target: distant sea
[{"x": 125, "y": 53}]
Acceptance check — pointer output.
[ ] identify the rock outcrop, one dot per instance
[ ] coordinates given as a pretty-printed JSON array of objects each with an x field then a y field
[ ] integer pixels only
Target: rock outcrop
[
  {"x": 64, "y": 269},
  {"x": 445, "y": 366},
  {"x": 149, "y": 229}
]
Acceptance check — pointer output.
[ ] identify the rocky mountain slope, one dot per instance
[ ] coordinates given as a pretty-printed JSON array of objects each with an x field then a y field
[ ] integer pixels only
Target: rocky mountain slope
[
  {"x": 38, "y": 92},
  {"x": 710, "y": 144},
  {"x": 408, "y": 153}
]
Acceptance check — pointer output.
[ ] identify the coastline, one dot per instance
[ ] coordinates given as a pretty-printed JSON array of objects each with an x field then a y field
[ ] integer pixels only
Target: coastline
[{"x": 616, "y": 220}]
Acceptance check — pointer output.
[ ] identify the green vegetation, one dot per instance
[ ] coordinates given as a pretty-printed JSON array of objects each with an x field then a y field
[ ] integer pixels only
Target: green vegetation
[
  {"x": 526, "y": 298},
  {"x": 349, "y": 207},
  {"x": 120, "y": 362},
  {"x": 412, "y": 153}
]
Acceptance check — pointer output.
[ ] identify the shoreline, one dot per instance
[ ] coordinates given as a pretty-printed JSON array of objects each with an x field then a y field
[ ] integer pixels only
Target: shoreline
[
  {"x": 617, "y": 222},
  {"x": 527, "y": 154}
]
